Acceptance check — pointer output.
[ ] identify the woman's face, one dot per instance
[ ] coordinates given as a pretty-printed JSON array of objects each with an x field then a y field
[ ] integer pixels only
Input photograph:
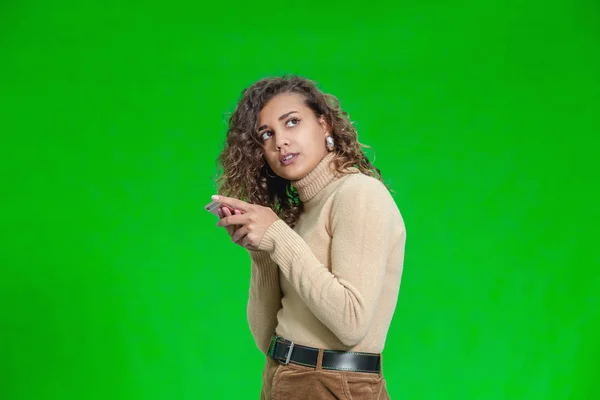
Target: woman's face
[{"x": 286, "y": 126}]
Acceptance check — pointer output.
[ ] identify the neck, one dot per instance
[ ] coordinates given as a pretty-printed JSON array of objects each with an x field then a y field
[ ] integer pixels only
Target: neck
[{"x": 317, "y": 179}]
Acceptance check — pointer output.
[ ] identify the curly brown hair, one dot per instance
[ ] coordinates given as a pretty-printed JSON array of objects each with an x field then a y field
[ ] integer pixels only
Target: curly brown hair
[{"x": 246, "y": 174}]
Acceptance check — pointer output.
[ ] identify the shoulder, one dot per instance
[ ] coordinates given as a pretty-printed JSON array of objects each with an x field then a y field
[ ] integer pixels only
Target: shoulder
[
  {"x": 360, "y": 191},
  {"x": 364, "y": 201},
  {"x": 358, "y": 186}
]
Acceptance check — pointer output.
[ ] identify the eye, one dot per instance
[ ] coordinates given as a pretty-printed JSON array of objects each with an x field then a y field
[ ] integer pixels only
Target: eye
[
  {"x": 295, "y": 120},
  {"x": 262, "y": 135}
]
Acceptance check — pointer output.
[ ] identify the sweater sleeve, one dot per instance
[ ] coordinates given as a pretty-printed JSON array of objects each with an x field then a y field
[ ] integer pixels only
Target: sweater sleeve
[
  {"x": 365, "y": 223},
  {"x": 264, "y": 298}
]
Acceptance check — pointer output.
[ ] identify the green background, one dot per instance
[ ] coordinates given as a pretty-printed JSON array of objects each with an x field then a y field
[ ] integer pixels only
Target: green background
[{"x": 483, "y": 116}]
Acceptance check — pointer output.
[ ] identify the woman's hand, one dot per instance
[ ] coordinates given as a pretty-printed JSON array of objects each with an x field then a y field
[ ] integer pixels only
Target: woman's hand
[
  {"x": 226, "y": 212},
  {"x": 248, "y": 224}
]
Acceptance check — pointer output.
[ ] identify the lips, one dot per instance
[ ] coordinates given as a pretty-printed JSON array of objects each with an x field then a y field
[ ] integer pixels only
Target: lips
[{"x": 286, "y": 162}]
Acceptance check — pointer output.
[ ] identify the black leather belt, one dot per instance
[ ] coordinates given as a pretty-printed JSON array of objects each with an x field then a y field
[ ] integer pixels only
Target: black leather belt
[{"x": 287, "y": 352}]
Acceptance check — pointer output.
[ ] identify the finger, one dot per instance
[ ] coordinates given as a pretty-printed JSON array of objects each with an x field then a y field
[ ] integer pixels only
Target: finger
[
  {"x": 240, "y": 234},
  {"x": 225, "y": 212},
  {"x": 237, "y": 212},
  {"x": 246, "y": 243},
  {"x": 229, "y": 212},
  {"x": 231, "y": 202},
  {"x": 241, "y": 219}
]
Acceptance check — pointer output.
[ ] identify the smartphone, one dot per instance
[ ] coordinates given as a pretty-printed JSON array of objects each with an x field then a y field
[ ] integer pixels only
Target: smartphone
[{"x": 213, "y": 208}]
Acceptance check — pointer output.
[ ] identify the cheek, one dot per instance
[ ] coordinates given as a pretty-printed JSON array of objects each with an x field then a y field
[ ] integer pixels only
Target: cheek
[
  {"x": 271, "y": 158},
  {"x": 315, "y": 140}
]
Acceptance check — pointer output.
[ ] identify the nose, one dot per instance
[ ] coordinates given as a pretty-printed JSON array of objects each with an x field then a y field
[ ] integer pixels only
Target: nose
[{"x": 281, "y": 140}]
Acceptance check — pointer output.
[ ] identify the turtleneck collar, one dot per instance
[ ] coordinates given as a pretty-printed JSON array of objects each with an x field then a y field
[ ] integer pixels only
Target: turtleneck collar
[{"x": 317, "y": 179}]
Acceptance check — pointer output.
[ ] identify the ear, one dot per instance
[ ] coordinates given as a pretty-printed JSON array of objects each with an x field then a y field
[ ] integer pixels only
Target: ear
[{"x": 326, "y": 126}]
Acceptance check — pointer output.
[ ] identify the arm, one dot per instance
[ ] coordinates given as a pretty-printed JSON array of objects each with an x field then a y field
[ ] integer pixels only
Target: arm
[
  {"x": 365, "y": 224},
  {"x": 264, "y": 300}
]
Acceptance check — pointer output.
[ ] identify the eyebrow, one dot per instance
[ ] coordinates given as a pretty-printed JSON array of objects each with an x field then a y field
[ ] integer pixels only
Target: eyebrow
[{"x": 284, "y": 116}]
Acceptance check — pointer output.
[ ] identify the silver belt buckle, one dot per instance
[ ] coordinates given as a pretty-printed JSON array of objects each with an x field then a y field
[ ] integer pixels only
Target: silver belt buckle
[{"x": 289, "y": 354}]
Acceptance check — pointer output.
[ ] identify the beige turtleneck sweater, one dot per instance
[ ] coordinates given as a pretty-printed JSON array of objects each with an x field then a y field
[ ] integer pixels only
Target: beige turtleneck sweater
[{"x": 331, "y": 282}]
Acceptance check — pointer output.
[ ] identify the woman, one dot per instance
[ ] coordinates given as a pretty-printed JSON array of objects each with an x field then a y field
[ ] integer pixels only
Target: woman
[{"x": 326, "y": 241}]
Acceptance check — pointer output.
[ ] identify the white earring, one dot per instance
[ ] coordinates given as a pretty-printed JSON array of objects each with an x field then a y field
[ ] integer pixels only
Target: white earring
[{"x": 330, "y": 143}]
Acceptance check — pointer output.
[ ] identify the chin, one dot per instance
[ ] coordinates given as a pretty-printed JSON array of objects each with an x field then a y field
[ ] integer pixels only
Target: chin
[{"x": 291, "y": 175}]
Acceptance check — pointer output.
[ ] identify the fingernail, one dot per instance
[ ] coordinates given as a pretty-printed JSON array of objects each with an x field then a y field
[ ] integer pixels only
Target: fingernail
[{"x": 215, "y": 197}]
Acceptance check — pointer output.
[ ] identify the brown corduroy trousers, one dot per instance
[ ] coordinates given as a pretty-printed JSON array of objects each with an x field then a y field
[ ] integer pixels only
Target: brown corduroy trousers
[{"x": 297, "y": 382}]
